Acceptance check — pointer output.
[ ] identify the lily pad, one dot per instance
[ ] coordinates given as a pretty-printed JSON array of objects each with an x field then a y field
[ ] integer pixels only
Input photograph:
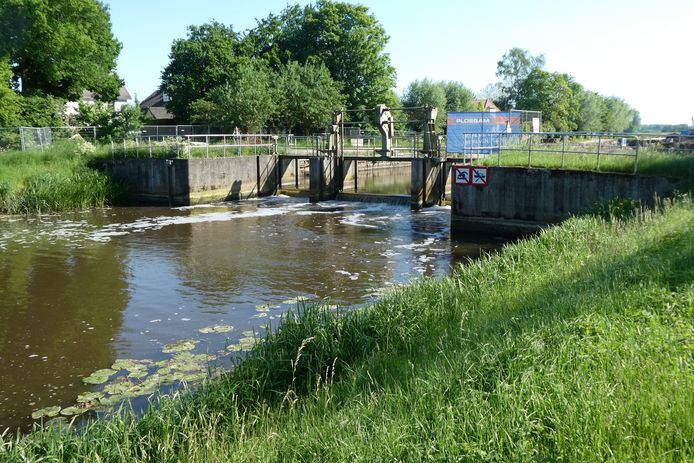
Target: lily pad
[
  {"x": 110, "y": 400},
  {"x": 70, "y": 411},
  {"x": 260, "y": 315},
  {"x": 248, "y": 333},
  {"x": 234, "y": 347},
  {"x": 131, "y": 365},
  {"x": 216, "y": 329},
  {"x": 262, "y": 307},
  {"x": 48, "y": 412},
  {"x": 180, "y": 346},
  {"x": 89, "y": 397},
  {"x": 99, "y": 376}
]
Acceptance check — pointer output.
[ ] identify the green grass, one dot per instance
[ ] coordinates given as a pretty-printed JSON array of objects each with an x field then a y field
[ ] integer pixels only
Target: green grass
[
  {"x": 575, "y": 345},
  {"x": 649, "y": 162},
  {"x": 57, "y": 179}
]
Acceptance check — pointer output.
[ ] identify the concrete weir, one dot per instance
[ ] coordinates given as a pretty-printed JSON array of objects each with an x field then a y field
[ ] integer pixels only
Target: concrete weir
[
  {"x": 182, "y": 182},
  {"x": 521, "y": 200}
]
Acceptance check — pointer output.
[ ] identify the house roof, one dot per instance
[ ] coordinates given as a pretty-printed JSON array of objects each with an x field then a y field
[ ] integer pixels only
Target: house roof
[
  {"x": 159, "y": 113},
  {"x": 123, "y": 95},
  {"x": 487, "y": 105},
  {"x": 154, "y": 106}
]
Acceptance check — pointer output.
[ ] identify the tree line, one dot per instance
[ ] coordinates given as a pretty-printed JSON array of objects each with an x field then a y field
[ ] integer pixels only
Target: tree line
[{"x": 288, "y": 73}]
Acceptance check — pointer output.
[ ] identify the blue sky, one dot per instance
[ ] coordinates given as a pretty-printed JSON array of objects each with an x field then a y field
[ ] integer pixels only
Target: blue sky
[{"x": 637, "y": 50}]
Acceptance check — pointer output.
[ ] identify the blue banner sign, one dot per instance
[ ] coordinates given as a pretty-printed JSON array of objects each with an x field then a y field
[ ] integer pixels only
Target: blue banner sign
[{"x": 480, "y": 133}]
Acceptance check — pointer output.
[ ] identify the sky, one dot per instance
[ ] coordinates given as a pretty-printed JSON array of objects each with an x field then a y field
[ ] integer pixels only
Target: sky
[{"x": 640, "y": 51}]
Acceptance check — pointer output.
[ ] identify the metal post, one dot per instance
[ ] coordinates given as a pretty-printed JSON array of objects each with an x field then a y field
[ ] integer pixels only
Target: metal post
[
  {"x": 137, "y": 148},
  {"x": 124, "y": 152},
  {"x": 563, "y": 149},
  {"x": 207, "y": 146},
  {"x": 530, "y": 144},
  {"x": 498, "y": 153},
  {"x": 296, "y": 173},
  {"x": 636, "y": 157},
  {"x": 149, "y": 142},
  {"x": 113, "y": 151},
  {"x": 597, "y": 166},
  {"x": 356, "y": 179},
  {"x": 224, "y": 140}
]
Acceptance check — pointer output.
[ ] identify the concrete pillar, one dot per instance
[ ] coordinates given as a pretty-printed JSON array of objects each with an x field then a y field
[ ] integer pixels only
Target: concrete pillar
[
  {"x": 428, "y": 181},
  {"x": 322, "y": 185}
]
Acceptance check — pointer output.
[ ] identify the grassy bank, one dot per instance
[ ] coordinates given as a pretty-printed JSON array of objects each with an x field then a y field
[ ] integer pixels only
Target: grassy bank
[
  {"x": 648, "y": 162},
  {"x": 576, "y": 345},
  {"x": 59, "y": 178}
]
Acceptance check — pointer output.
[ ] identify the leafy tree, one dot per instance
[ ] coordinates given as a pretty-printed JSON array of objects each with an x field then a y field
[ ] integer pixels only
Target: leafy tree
[
  {"x": 199, "y": 63},
  {"x": 40, "y": 110},
  {"x": 246, "y": 101},
  {"x": 617, "y": 116},
  {"x": 426, "y": 93},
  {"x": 458, "y": 97},
  {"x": 590, "y": 114},
  {"x": 60, "y": 48},
  {"x": 554, "y": 95},
  {"x": 9, "y": 101},
  {"x": 445, "y": 96},
  {"x": 307, "y": 96},
  {"x": 346, "y": 38},
  {"x": 113, "y": 125},
  {"x": 515, "y": 66}
]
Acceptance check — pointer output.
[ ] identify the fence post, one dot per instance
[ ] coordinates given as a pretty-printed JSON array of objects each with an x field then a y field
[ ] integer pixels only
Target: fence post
[
  {"x": 149, "y": 142},
  {"x": 113, "y": 151},
  {"x": 597, "y": 166},
  {"x": 207, "y": 146},
  {"x": 530, "y": 144},
  {"x": 224, "y": 150},
  {"x": 636, "y": 157}
]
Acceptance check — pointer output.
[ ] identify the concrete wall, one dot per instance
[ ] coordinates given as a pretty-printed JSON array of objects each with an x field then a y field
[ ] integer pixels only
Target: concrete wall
[
  {"x": 521, "y": 200},
  {"x": 194, "y": 181}
]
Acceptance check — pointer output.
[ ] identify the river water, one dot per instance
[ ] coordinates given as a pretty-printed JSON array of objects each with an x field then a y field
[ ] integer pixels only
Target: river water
[{"x": 81, "y": 290}]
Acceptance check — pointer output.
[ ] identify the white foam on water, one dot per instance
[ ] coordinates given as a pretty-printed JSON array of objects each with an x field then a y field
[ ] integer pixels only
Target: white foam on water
[
  {"x": 352, "y": 276},
  {"x": 157, "y": 223},
  {"x": 417, "y": 246}
]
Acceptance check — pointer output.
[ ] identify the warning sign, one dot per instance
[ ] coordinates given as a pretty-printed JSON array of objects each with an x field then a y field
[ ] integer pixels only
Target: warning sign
[
  {"x": 461, "y": 175},
  {"x": 479, "y": 176}
]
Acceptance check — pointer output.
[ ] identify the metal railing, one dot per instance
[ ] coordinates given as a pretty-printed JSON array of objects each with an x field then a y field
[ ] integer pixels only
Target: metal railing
[
  {"x": 593, "y": 151},
  {"x": 191, "y": 146}
]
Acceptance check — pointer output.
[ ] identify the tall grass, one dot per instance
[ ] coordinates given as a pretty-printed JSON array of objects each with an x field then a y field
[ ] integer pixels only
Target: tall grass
[
  {"x": 575, "y": 345},
  {"x": 59, "y": 178}
]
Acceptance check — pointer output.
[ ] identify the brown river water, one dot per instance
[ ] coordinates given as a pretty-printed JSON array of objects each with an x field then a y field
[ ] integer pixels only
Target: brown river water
[{"x": 79, "y": 291}]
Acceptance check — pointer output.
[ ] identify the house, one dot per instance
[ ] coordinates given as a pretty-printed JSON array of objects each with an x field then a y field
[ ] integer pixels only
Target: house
[
  {"x": 89, "y": 97},
  {"x": 154, "y": 107},
  {"x": 487, "y": 105}
]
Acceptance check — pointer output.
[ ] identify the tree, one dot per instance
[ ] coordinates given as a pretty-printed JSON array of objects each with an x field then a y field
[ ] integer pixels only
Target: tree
[
  {"x": 617, "y": 116},
  {"x": 9, "y": 101},
  {"x": 426, "y": 93},
  {"x": 346, "y": 38},
  {"x": 199, "y": 63},
  {"x": 60, "y": 48},
  {"x": 554, "y": 95},
  {"x": 515, "y": 66},
  {"x": 307, "y": 96},
  {"x": 458, "y": 97},
  {"x": 590, "y": 113},
  {"x": 247, "y": 100}
]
